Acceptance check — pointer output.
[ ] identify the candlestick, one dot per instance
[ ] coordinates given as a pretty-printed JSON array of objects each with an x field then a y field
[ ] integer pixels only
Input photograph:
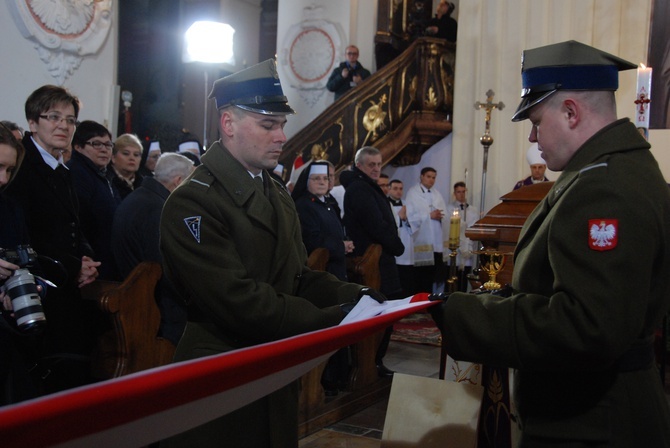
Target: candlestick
[
  {"x": 643, "y": 97},
  {"x": 454, "y": 229}
]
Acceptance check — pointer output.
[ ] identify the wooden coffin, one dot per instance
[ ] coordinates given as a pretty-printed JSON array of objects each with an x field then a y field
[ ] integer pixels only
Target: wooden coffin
[{"x": 499, "y": 229}]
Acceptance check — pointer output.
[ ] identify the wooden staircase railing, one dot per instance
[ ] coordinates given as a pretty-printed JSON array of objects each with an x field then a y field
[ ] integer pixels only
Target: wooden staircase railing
[{"x": 402, "y": 109}]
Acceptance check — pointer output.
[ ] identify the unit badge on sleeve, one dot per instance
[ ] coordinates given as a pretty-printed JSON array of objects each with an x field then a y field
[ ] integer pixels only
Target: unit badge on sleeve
[{"x": 603, "y": 234}]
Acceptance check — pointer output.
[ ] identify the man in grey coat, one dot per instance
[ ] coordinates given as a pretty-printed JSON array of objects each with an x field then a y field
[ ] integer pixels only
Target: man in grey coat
[
  {"x": 232, "y": 246},
  {"x": 590, "y": 282}
]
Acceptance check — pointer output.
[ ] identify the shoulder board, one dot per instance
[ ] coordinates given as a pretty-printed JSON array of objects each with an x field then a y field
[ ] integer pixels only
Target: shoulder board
[
  {"x": 201, "y": 178},
  {"x": 594, "y": 166}
]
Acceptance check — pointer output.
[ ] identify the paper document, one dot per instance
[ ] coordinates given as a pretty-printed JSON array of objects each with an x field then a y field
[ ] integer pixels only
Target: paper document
[{"x": 368, "y": 307}]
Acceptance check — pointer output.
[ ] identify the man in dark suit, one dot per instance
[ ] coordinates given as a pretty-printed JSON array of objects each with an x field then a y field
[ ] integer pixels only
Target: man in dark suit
[
  {"x": 232, "y": 245},
  {"x": 369, "y": 219},
  {"x": 43, "y": 187}
]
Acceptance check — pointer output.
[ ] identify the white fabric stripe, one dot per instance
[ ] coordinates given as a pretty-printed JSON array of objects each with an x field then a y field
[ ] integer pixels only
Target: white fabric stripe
[{"x": 165, "y": 424}]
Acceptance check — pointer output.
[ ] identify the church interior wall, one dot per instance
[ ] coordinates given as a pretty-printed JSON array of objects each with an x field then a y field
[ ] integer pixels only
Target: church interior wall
[
  {"x": 94, "y": 81},
  {"x": 492, "y": 35}
]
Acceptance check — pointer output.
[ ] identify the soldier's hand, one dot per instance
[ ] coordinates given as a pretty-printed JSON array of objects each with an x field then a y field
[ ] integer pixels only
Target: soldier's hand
[
  {"x": 376, "y": 295},
  {"x": 437, "y": 311}
]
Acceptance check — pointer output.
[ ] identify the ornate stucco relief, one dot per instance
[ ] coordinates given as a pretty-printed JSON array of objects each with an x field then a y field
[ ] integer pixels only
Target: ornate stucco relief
[{"x": 63, "y": 31}]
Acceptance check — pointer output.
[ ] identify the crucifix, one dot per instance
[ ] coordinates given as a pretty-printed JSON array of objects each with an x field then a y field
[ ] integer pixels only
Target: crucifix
[{"x": 486, "y": 140}]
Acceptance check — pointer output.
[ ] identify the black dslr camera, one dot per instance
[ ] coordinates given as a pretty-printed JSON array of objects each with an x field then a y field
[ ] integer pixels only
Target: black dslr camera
[{"x": 22, "y": 289}]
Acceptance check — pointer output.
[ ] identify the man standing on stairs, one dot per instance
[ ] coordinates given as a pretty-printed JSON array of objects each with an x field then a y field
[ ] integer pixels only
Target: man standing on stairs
[{"x": 348, "y": 75}]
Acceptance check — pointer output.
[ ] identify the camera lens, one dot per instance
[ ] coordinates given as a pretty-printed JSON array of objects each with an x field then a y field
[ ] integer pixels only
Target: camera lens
[{"x": 28, "y": 311}]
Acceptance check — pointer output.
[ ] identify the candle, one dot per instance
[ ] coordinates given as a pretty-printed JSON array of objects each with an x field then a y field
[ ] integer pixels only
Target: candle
[
  {"x": 643, "y": 96},
  {"x": 454, "y": 229}
]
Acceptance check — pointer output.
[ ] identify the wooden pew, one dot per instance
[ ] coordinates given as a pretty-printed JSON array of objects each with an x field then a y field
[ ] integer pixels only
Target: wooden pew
[
  {"x": 132, "y": 345},
  {"x": 365, "y": 387}
]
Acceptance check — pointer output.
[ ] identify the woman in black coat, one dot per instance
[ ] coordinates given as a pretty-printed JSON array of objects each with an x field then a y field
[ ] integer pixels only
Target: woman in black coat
[
  {"x": 97, "y": 195},
  {"x": 320, "y": 218},
  {"x": 321, "y": 227}
]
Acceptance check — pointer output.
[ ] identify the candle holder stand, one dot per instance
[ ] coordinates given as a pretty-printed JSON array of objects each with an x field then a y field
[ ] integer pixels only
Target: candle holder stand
[{"x": 452, "y": 281}]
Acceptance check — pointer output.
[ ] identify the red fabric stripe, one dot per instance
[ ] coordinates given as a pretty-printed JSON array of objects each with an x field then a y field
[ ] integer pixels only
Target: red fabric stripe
[{"x": 73, "y": 414}]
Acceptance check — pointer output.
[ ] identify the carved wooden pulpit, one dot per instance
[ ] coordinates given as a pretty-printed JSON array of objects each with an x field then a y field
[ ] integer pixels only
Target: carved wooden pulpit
[{"x": 499, "y": 230}]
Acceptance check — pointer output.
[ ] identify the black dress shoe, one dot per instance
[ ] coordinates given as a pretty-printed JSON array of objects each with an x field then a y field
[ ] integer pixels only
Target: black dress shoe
[{"x": 383, "y": 371}]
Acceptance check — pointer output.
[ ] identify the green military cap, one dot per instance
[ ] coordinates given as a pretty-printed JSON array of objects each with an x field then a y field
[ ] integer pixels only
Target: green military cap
[
  {"x": 567, "y": 65},
  {"x": 256, "y": 89}
]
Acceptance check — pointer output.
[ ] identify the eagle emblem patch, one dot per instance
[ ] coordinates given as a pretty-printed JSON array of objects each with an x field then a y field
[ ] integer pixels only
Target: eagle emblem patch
[
  {"x": 603, "y": 234},
  {"x": 193, "y": 224}
]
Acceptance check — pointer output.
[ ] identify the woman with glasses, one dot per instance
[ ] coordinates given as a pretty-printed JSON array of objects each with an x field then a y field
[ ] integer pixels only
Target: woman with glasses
[
  {"x": 97, "y": 195},
  {"x": 44, "y": 190},
  {"x": 320, "y": 219},
  {"x": 126, "y": 158}
]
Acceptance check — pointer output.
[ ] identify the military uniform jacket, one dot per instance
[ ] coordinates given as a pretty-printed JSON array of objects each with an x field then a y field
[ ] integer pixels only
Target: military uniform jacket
[
  {"x": 238, "y": 257},
  {"x": 235, "y": 253},
  {"x": 590, "y": 297}
]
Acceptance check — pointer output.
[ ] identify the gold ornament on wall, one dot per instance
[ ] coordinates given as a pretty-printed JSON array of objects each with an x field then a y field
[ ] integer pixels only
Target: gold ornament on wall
[{"x": 373, "y": 120}]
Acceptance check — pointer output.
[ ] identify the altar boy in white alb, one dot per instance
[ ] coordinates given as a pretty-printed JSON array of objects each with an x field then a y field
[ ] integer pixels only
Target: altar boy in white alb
[{"x": 427, "y": 216}]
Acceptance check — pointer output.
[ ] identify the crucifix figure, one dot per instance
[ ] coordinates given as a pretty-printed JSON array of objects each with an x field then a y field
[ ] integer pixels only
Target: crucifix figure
[
  {"x": 486, "y": 140},
  {"x": 642, "y": 101}
]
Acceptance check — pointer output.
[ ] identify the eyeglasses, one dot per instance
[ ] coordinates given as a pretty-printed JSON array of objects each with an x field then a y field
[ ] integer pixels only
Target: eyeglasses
[
  {"x": 58, "y": 118},
  {"x": 352, "y": 53},
  {"x": 99, "y": 145},
  {"x": 319, "y": 178}
]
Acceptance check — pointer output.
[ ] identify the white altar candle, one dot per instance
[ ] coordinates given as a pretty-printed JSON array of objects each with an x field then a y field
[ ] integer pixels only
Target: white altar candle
[
  {"x": 454, "y": 229},
  {"x": 643, "y": 97}
]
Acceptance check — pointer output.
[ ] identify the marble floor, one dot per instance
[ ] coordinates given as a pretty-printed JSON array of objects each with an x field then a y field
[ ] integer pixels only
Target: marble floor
[{"x": 364, "y": 430}]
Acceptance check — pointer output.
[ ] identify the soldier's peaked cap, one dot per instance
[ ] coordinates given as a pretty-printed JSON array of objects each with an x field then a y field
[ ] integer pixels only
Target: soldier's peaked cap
[
  {"x": 256, "y": 89},
  {"x": 567, "y": 65}
]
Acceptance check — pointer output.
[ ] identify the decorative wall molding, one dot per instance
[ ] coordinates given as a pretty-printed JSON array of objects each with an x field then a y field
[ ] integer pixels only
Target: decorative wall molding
[
  {"x": 63, "y": 31},
  {"x": 310, "y": 51}
]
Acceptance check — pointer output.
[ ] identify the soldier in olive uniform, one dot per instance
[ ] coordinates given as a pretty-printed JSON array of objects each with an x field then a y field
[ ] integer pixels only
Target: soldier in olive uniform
[
  {"x": 232, "y": 245},
  {"x": 590, "y": 281}
]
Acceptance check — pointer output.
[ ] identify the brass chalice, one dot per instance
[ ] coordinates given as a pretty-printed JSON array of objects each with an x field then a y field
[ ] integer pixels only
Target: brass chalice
[{"x": 492, "y": 262}]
